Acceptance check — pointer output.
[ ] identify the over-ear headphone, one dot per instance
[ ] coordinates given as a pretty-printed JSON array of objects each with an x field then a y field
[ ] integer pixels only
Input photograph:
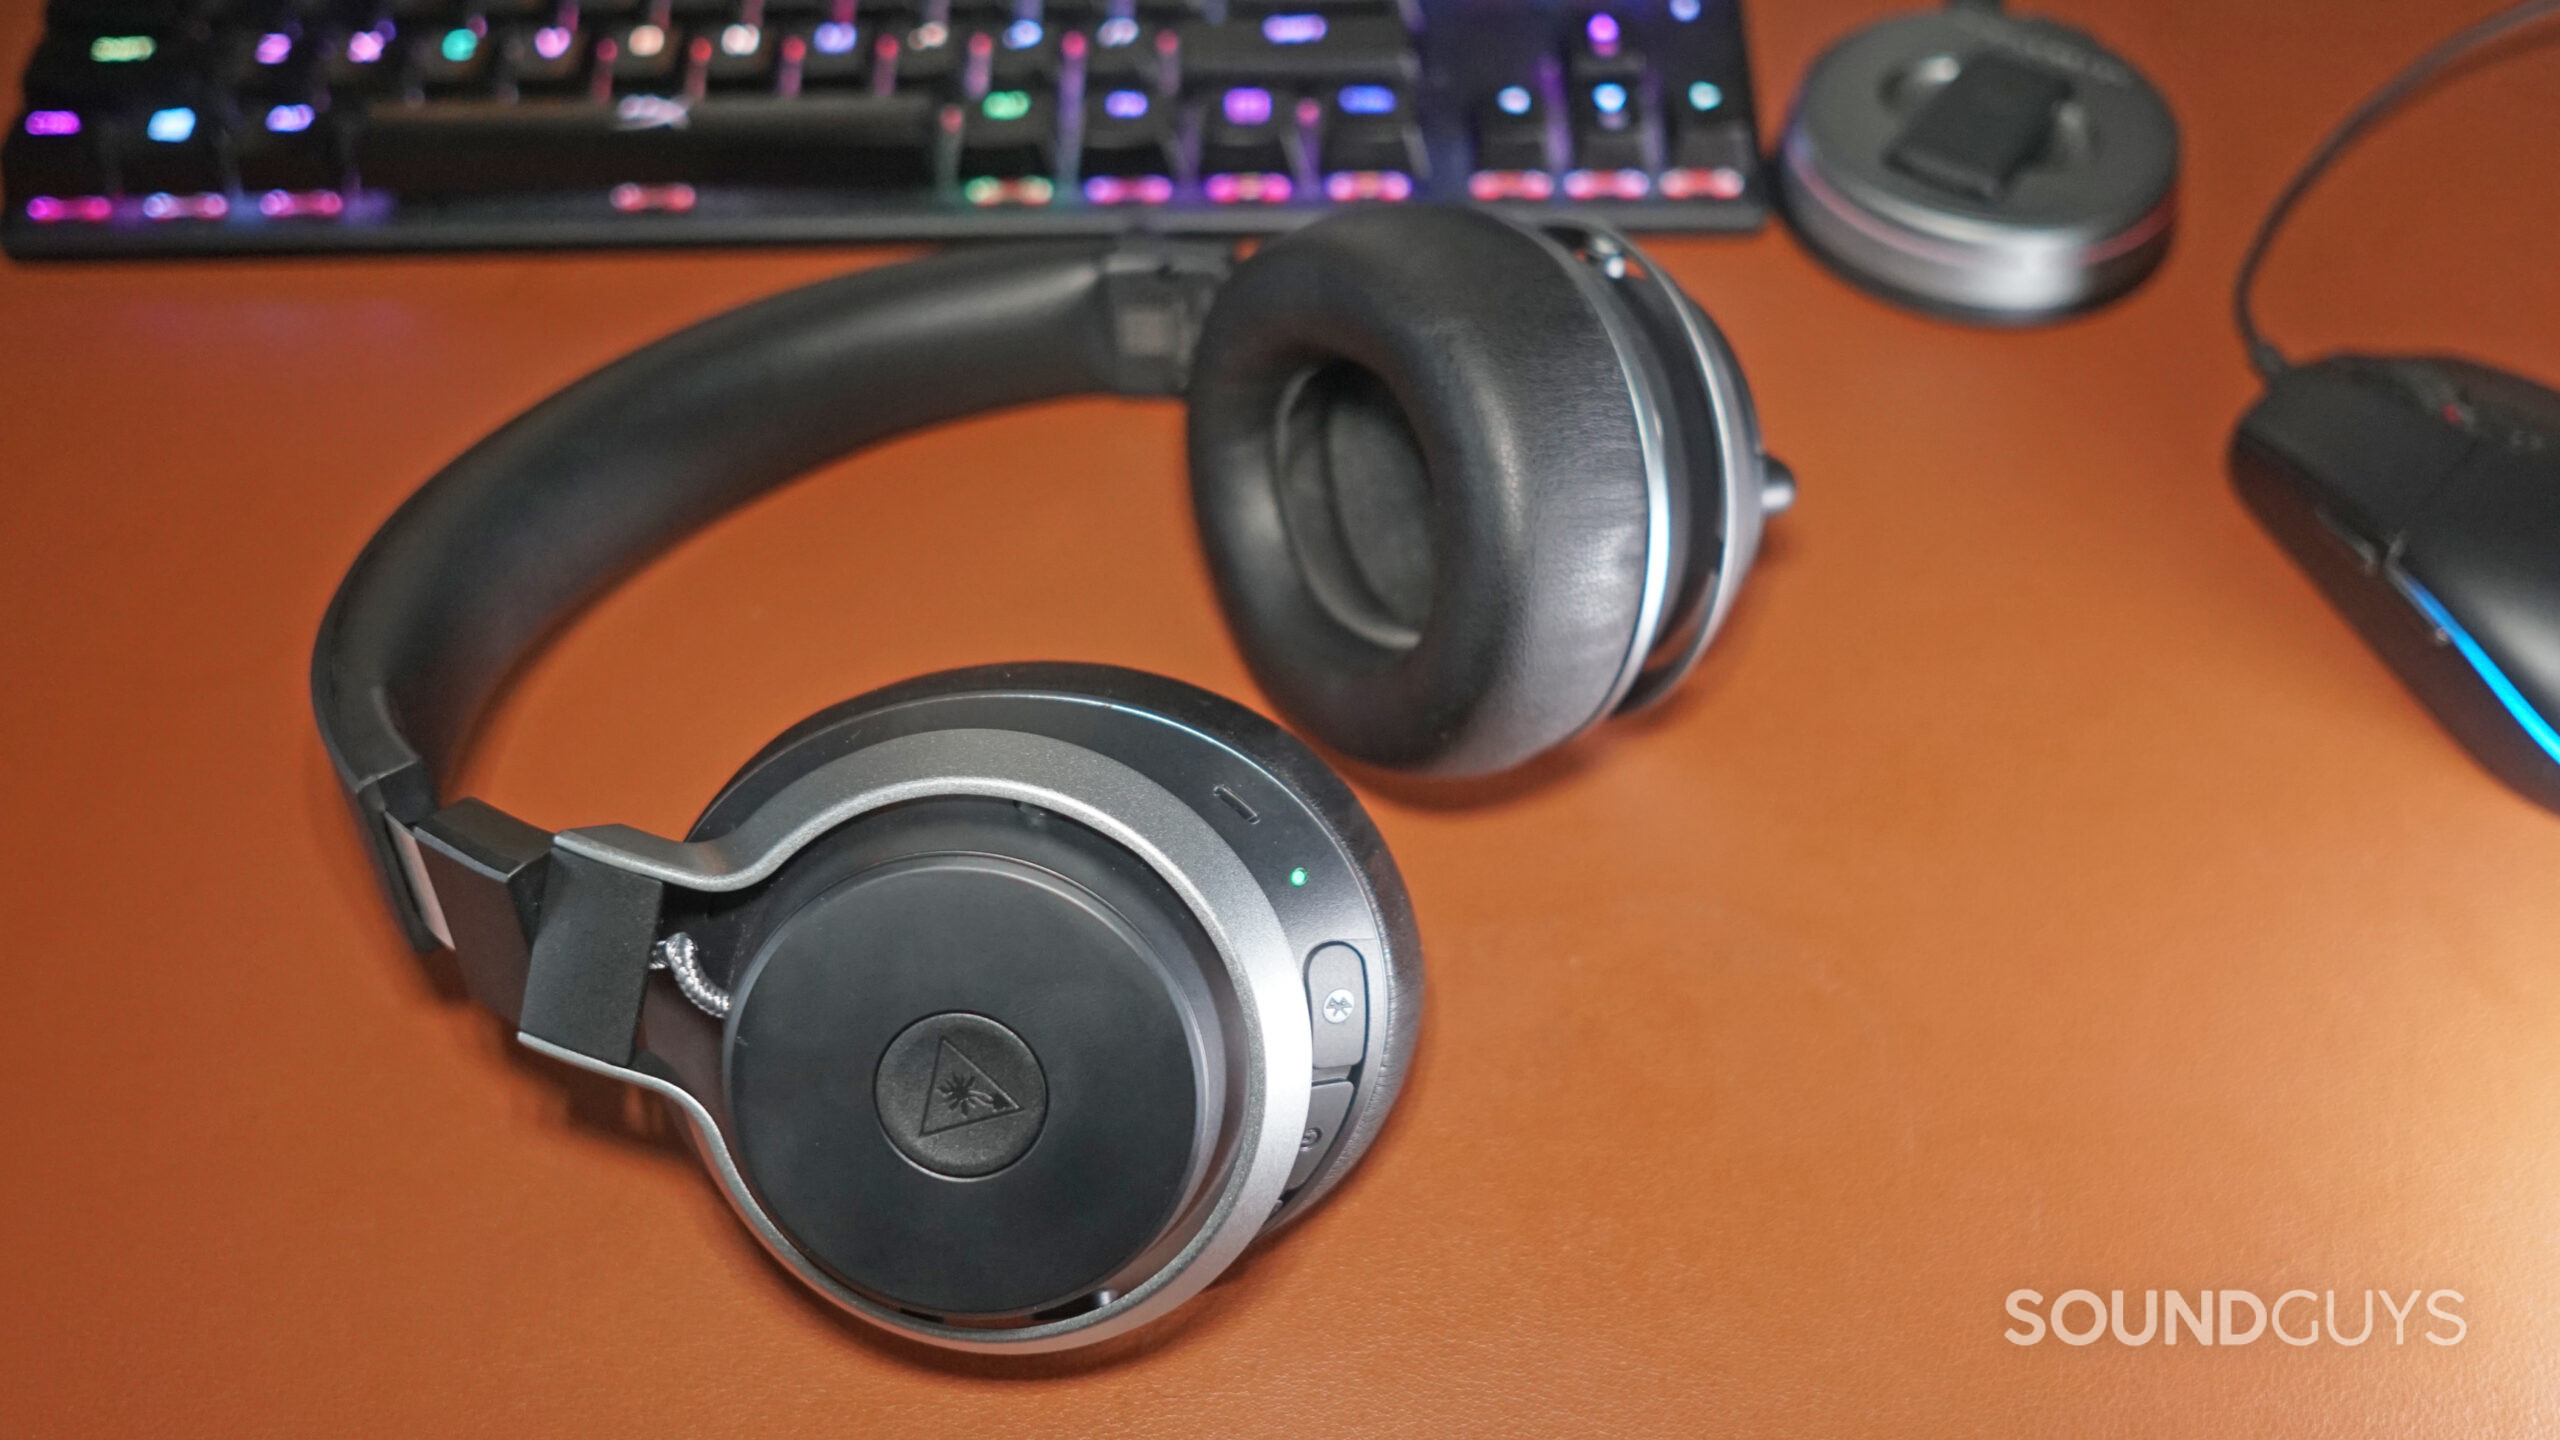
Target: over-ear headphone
[{"x": 1009, "y": 1005}]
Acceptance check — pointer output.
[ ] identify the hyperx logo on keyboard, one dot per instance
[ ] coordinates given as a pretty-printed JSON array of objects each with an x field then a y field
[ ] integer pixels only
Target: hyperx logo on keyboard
[{"x": 651, "y": 112}]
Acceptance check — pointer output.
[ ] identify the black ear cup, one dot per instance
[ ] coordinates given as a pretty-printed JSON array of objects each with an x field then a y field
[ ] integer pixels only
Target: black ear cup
[
  {"x": 1003, "y": 1053},
  {"x": 1439, "y": 470},
  {"x": 1468, "y": 488},
  {"x": 975, "y": 1066}
]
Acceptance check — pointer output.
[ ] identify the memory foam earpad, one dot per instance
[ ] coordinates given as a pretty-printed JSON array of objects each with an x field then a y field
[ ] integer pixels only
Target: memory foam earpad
[{"x": 1420, "y": 476}]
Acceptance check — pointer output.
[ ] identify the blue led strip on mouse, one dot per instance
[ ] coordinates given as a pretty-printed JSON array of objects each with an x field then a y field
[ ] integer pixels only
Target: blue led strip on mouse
[{"x": 2499, "y": 685}]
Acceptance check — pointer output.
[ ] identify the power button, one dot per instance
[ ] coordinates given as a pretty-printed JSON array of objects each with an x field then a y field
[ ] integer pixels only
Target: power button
[
  {"x": 1327, "y": 1104},
  {"x": 1338, "y": 1006}
]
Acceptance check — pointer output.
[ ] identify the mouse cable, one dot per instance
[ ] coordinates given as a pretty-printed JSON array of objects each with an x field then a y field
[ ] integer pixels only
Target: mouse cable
[{"x": 2268, "y": 360}]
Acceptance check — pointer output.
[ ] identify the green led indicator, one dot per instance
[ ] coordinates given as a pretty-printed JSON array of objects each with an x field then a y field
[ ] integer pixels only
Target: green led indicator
[
  {"x": 1298, "y": 876},
  {"x": 121, "y": 49},
  {"x": 1007, "y": 104},
  {"x": 458, "y": 45}
]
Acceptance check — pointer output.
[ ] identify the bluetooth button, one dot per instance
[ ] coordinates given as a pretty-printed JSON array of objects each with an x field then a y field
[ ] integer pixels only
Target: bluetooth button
[{"x": 1337, "y": 1006}]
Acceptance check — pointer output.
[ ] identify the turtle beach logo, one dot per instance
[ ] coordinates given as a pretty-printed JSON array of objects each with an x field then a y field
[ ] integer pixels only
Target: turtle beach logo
[
  {"x": 2296, "y": 1317},
  {"x": 961, "y": 1094}
]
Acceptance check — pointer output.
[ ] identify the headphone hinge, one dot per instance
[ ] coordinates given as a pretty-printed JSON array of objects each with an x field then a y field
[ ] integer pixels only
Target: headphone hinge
[
  {"x": 589, "y": 965},
  {"x": 1158, "y": 293},
  {"x": 484, "y": 870}
]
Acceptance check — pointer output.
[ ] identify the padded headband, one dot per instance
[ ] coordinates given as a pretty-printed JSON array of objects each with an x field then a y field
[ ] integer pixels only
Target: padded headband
[{"x": 527, "y": 527}]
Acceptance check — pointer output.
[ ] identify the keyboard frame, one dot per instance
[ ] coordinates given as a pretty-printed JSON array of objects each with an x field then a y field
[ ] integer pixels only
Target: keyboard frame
[{"x": 743, "y": 216}]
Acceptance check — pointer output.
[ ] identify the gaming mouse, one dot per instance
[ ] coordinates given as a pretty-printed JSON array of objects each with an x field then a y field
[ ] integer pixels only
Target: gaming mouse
[
  {"x": 2421, "y": 492},
  {"x": 2423, "y": 495}
]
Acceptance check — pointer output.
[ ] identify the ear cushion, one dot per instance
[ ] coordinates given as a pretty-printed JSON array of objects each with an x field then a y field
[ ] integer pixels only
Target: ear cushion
[{"x": 1419, "y": 453}]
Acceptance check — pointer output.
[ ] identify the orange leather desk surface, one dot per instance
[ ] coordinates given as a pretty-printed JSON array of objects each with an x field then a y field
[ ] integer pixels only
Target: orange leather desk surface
[{"x": 2040, "y": 888}]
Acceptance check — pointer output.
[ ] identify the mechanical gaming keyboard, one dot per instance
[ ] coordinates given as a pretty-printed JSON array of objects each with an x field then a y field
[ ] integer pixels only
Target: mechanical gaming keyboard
[{"x": 161, "y": 127}]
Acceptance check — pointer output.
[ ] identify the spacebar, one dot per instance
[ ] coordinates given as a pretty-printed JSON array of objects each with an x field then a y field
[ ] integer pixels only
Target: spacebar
[{"x": 482, "y": 147}]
